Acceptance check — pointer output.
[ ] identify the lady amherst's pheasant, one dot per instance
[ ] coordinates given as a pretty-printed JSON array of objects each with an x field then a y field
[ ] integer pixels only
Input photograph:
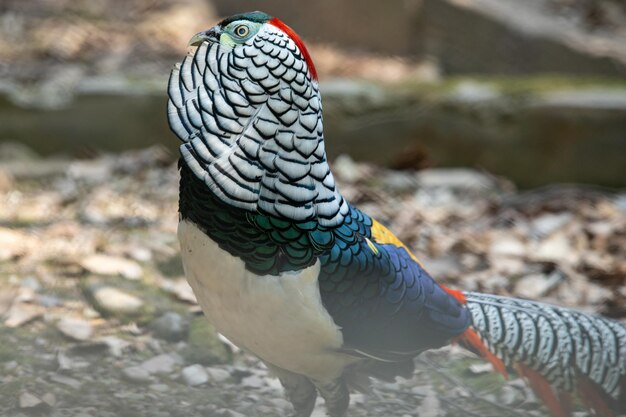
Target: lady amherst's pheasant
[{"x": 325, "y": 295}]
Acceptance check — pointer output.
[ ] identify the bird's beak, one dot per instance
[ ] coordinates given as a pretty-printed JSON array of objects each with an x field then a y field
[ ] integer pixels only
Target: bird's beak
[{"x": 212, "y": 34}]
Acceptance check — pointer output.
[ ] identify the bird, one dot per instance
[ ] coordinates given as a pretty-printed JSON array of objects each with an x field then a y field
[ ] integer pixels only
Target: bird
[{"x": 326, "y": 296}]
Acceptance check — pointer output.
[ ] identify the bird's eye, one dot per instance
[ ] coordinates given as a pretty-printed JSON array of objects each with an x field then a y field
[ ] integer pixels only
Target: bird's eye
[{"x": 242, "y": 31}]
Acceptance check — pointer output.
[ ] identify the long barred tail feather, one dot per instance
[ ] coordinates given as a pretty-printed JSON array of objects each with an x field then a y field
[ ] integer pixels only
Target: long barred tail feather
[{"x": 557, "y": 350}]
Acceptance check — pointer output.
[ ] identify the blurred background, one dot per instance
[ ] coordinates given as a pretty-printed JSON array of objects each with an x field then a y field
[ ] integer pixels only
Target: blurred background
[
  {"x": 533, "y": 90},
  {"x": 489, "y": 134}
]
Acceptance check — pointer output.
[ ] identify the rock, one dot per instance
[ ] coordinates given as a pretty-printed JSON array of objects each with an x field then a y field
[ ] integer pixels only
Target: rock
[
  {"x": 83, "y": 414},
  {"x": 170, "y": 326},
  {"x": 50, "y": 399},
  {"x": 113, "y": 301},
  {"x": 447, "y": 265},
  {"x": 510, "y": 395},
  {"x": 6, "y": 181},
  {"x": 28, "y": 400},
  {"x": 111, "y": 265},
  {"x": 502, "y": 268},
  {"x": 590, "y": 98},
  {"x": 597, "y": 295},
  {"x": 548, "y": 223},
  {"x": 204, "y": 345},
  {"x": 430, "y": 406},
  {"x": 480, "y": 368},
  {"x": 63, "y": 361},
  {"x": 195, "y": 375},
  {"x": 620, "y": 202},
  {"x": 399, "y": 182},
  {"x": 224, "y": 412},
  {"x": 283, "y": 404},
  {"x": 473, "y": 92},
  {"x": 140, "y": 254},
  {"x": 16, "y": 151},
  {"x": 556, "y": 248},
  {"x": 48, "y": 301},
  {"x": 154, "y": 345},
  {"x": 253, "y": 381},
  {"x": 600, "y": 228},
  {"x": 169, "y": 263},
  {"x": 25, "y": 295},
  {"x": 42, "y": 170},
  {"x": 534, "y": 286},
  {"x": 275, "y": 385},
  {"x": 13, "y": 243},
  {"x": 31, "y": 283},
  {"x": 115, "y": 344},
  {"x": 66, "y": 380},
  {"x": 137, "y": 374},
  {"x": 7, "y": 297},
  {"x": 91, "y": 172},
  {"x": 159, "y": 387},
  {"x": 76, "y": 329},
  {"x": 530, "y": 29},
  {"x": 354, "y": 94},
  {"x": 263, "y": 410},
  {"x": 11, "y": 366},
  {"x": 532, "y": 126},
  {"x": 507, "y": 246},
  {"x": 319, "y": 412},
  {"x": 20, "y": 314},
  {"x": 161, "y": 364},
  {"x": 217, "y": 374},
  {"x": 93, "y": 347},
  {"x": 180, "y": 288},
  {"x": 457, "y": 178},
  {"x": 346, "y": 169}
]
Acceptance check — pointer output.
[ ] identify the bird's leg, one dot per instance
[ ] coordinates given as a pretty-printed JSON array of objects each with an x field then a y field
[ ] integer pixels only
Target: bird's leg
[
  {"x": 300, "y": 391},
  {"x": 336, "y": 395}
]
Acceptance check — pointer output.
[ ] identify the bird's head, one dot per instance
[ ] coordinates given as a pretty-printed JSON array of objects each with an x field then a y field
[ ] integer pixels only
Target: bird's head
[
  {"x": 242, "y": 29},
  {"x": 246, "y": 105}
]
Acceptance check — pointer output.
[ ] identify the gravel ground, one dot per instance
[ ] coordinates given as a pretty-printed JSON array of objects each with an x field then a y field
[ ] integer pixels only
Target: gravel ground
[{"x": 96, "y": 319}]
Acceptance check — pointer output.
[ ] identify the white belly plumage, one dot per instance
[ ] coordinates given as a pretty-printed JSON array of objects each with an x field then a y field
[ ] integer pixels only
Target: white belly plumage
[{"x": 280, "y": 318}]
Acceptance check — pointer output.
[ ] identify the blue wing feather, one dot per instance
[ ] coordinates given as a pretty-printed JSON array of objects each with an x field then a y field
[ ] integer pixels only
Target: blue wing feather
[{"x": 387, "y": 305}]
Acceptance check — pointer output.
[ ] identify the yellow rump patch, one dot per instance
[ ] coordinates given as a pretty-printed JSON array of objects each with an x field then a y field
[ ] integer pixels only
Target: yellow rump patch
[{"x": 384, "y": 236}]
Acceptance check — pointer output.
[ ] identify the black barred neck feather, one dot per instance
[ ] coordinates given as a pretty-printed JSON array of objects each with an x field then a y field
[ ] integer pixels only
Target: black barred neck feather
[
  {"x": 250, "y": 118},
  {"x": 252, "y": 237}
]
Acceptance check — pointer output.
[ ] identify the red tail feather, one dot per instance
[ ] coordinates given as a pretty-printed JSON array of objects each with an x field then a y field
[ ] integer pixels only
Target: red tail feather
[
  {"x": 544, "y": 391},
  {"x": 566, "y": 401},
  {"x": 460, "y": 297},
  {"x": 471, "y": 340},
  {"x": 593, "y": 398}
]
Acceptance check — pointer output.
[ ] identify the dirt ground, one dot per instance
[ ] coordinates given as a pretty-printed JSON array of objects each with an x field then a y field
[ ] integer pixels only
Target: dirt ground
[{"x": 96, "y": 319}]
